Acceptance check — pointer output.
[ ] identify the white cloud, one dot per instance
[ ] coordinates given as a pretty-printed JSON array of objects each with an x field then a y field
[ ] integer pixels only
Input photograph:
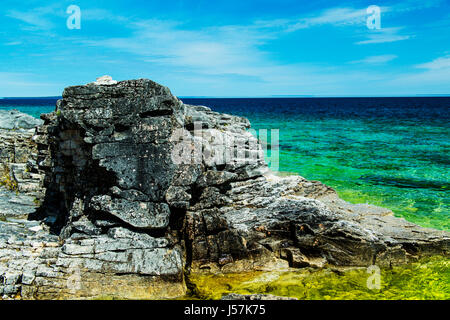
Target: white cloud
[
  {"x": 335, "y": 16},
  {"x": 35, "y": 19},
  {"x": 232, "y": 57},
  {"x": 383, "y": 39},
  {"x": 432, "y": 79},
  {"x": 412, "y": 5},
  {"x": 343, "y": 17},
  {"x": 13, "y": 43},
  {"x": 381, "y": 59},
  {"x": 102, "y": 15},
  {"x": 436, "y": 64},
  {"x": 213, "y": 50},
  {"x": 229, "y": 49},
  {"x": 227, "y": 59},
  {"x": 385, "y": 35}
]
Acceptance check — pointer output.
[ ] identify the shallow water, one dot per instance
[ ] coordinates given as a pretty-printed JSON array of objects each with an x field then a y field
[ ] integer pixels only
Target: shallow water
[{"x": 427, "y": 280}]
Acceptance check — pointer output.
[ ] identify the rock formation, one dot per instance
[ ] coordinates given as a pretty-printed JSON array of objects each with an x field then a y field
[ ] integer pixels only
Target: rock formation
[
  {"x": 141, "y": 189},
  {"x": 18, "y": 153},
  {"x": 16, "y": 120}
]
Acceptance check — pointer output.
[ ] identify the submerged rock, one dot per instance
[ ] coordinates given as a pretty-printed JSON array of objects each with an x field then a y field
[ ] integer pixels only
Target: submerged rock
[
  {"x": 251, "y": 297},
  {"x": 143, "y": 189}
]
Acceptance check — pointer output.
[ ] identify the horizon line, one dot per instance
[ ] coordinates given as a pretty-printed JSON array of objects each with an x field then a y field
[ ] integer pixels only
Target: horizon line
[{"x": 269, "y": 97}]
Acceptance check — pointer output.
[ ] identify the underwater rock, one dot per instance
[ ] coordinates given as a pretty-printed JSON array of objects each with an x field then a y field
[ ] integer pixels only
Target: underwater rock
[{"x": 251, "y": 297}]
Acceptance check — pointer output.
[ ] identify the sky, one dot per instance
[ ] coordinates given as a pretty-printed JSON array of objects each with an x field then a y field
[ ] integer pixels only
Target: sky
[{"x": 231, "y": 48}]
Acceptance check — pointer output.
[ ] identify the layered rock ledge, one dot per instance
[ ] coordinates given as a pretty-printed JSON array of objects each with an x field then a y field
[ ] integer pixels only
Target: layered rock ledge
[{"x": 139, "y": 189}]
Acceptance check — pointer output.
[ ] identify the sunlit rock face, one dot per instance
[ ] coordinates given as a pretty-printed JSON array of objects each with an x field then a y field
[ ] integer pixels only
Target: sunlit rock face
[{"x": 106, "y": 156}]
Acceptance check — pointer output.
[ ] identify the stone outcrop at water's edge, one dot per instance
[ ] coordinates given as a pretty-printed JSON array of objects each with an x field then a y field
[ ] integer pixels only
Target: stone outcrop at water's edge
[{"x": 135, "y": 190}]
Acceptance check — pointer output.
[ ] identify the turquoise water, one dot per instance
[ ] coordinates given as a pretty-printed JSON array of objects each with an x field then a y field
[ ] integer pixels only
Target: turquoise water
[
  {"x": 392, "y": 152},
  {"x": 399, "y": 167},
  {"x": 30, "y": 106}
]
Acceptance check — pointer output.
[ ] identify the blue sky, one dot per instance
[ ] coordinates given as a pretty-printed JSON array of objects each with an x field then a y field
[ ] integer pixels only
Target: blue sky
[{"x": 229, "y": 48}]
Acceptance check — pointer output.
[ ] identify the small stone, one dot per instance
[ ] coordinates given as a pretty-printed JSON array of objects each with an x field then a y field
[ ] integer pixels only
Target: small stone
[
  {"x": 73, "y": 249},
  {"x": 10, "y": 290},
  {"x": 226, "y": 259},
  {"x": 87, "y": 227},
  {"x": 11, "y": 278},
  {"x": 105, "y": 80},
  {"x": 28, "y": 278},
  {"x": 36, "y": 228}
]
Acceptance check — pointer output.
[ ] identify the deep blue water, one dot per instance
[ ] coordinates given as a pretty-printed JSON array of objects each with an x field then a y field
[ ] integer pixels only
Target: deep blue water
[
  {"x": 390, "y": 109},
  {"x": 32, "y": 106}
]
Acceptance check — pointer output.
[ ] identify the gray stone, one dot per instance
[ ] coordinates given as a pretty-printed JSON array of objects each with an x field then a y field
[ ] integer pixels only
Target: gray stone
[
  {"x": 146, "y": 215},
  {"x": 251, "y": 297},
  {"x": 14, "y": 119},
  {"x": 10, "y": 289},
  {"x": 87, "y": 227},
  {"x": 28, "y": 278}
]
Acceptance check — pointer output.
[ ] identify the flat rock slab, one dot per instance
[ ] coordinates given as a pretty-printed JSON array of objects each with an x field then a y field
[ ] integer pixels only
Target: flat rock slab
[
  {"x": 20, "y": 231},
  {"x": 146, "y": 215},
  {"x": 14, "y": 119},
  {"x": 15, "y": 205}
]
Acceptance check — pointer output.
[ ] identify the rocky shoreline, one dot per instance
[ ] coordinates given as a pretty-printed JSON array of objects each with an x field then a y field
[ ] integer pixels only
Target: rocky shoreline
[{"x": 127, "y": 190}]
